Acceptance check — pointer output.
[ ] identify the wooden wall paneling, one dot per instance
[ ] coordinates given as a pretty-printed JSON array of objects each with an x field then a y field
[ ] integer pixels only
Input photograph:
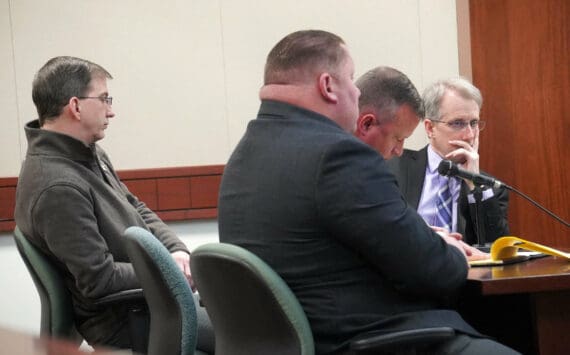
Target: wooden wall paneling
[
  {"x": 552, "y": 314},
  {"x": 188, "y": 214},
  {"x": 145, "y": 190},
  {"x": 8, "y": 181},
  {"x": 173, "y": 193},
  {"x": 204, "y": 190},
  {"x": 7, "y": 226},
  {"x": 7, "y": 202},
  {"x": 520, "y": 61},
  {"x": 179, "y": 193},
  {"x": 171, "y": 172}
]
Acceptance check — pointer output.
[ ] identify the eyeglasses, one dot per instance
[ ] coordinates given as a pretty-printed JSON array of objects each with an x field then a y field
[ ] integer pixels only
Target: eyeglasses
[
  {"x": 106, "y": 99},
  {"x": 460, "y": 125}
]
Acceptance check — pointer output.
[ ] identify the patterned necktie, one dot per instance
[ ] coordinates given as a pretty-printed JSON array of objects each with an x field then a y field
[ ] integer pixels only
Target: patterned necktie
[{"x": 443, "y": 204}]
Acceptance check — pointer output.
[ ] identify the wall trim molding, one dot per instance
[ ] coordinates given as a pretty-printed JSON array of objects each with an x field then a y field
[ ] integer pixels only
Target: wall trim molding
[{"x": 174, "y": 193}]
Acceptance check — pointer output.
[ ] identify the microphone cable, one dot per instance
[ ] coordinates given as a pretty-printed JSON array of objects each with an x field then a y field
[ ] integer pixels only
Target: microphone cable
[
  {"x": 537, "y": 205},
  {"x": 448, "y": 168}
]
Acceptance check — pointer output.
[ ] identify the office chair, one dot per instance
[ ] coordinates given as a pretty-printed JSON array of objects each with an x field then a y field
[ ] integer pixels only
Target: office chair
[
  {"x": 56, "y": 305},
  {"x": 254, "y": 311},
  {"x": 57, "y": 317},
  {"x": 173, "y": 326}
]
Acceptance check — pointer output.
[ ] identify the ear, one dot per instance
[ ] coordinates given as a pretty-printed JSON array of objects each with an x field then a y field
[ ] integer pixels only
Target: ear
[
  {"x": 428, "y": 125},
  {"x": 364, "y": 123},
  {"x": 74, "y": 109},
  {"x": 326, "y": 88}
]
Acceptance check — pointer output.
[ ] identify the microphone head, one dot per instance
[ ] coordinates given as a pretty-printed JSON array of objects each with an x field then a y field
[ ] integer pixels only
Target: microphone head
[{"x": 447, "y": 168}]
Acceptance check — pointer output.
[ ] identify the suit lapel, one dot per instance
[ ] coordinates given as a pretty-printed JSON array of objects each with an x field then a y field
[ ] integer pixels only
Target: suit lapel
[{"x": 415, "y": 173}]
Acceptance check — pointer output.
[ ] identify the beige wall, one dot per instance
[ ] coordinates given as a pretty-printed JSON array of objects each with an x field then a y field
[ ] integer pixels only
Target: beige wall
[{"x": 187, "y": 73}]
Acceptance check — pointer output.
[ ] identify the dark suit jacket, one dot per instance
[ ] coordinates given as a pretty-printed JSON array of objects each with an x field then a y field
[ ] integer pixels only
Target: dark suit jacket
[
  {"x": 410, "y": 171},
  {"x": 323, "y": 210}
]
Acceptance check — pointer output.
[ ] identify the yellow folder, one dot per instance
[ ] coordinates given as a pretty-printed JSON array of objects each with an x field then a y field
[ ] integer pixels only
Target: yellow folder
[
  {"x": 505, "y": 250},
  {"x": 507, "y": 247}
]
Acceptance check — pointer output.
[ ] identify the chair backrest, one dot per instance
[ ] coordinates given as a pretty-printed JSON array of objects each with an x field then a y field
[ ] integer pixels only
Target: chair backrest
[
  {"x": 167, "y": 293},
  {"x": 56, "y": 304},
  {"x": 252, "y": 309}
]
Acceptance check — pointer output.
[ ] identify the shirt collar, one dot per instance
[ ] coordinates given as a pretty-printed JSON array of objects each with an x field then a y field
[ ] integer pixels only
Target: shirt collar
[
  {"x": 433, "y": 163},
  {"x": 433, "y": 159},
  {"x": 41, "y": 141}
]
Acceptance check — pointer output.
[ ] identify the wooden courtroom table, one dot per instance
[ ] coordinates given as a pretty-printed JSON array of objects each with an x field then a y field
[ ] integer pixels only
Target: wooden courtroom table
[
  {"x": 525, "y": 305},
  {"x": 17, "y": 343}
]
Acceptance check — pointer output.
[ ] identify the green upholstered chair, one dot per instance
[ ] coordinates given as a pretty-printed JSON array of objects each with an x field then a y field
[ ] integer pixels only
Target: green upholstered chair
[
  {"x": 254, "y": 312},
  {"x": 56, "y": 306},
  {"x": 173, "y": 326},
  {"x": 57, "y": 317}
]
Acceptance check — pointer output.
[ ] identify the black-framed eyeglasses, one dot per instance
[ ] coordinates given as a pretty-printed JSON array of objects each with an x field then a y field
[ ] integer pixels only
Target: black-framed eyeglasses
[
  {"x": 106, "y": 99},
  {"x": 460, "y": 125}
]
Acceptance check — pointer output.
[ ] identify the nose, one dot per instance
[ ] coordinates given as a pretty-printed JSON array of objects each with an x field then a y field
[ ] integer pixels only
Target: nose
[
  {"x": 110, "y": 113},
  {"x": 469, "y": 132},
  {"x": 399, "y": 149}
]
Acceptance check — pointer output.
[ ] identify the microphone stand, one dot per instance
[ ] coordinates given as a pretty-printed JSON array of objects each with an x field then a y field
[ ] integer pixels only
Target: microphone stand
[
  {"x": 479, "y": 222},
  {"x": 448, "y": 168}
]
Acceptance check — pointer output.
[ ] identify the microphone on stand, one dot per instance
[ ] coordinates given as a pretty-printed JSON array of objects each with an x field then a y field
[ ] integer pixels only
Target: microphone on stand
[{"x": 448, "y": 168}]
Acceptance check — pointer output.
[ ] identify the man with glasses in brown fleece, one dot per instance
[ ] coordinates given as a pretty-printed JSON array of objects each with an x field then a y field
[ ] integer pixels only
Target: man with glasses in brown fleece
[
  {"x": 71, "y": 204},
  {"x": 452, "y": 125}
]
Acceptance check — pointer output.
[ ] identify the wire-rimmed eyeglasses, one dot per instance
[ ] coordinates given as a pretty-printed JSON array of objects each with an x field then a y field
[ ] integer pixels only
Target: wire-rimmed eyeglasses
[
  {"x": 106, "y": 99},
  {"x": 459, "y": 125}
]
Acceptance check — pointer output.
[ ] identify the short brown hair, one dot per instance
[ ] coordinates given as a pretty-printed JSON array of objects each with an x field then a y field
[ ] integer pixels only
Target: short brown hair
[
  {"x": 385, "y": 89},
  {"x": 60, "y": 79},
  {"x": 301, "y": 54}
]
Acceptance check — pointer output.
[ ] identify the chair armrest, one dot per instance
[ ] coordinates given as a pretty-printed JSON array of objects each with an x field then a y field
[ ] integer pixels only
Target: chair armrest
[
  {"x": 407, "y": 338},
  {"x": 134, "y": 295},
  {"x": 138, "y": 316},
  {"x": 198, "y": 299}
]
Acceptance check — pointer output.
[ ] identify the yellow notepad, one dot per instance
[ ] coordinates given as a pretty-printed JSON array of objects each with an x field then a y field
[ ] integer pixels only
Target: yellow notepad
[{"x": 505, "y": 250}]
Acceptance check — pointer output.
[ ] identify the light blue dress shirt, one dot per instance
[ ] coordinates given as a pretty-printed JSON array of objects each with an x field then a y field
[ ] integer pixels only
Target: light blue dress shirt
[{"x": 427, "y": 206}]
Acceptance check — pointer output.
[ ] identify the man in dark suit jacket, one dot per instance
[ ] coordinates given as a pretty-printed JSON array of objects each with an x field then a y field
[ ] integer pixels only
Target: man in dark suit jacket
[
  {"x": 452, "y": 124},
  {"x": 322, "y": 208}
]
